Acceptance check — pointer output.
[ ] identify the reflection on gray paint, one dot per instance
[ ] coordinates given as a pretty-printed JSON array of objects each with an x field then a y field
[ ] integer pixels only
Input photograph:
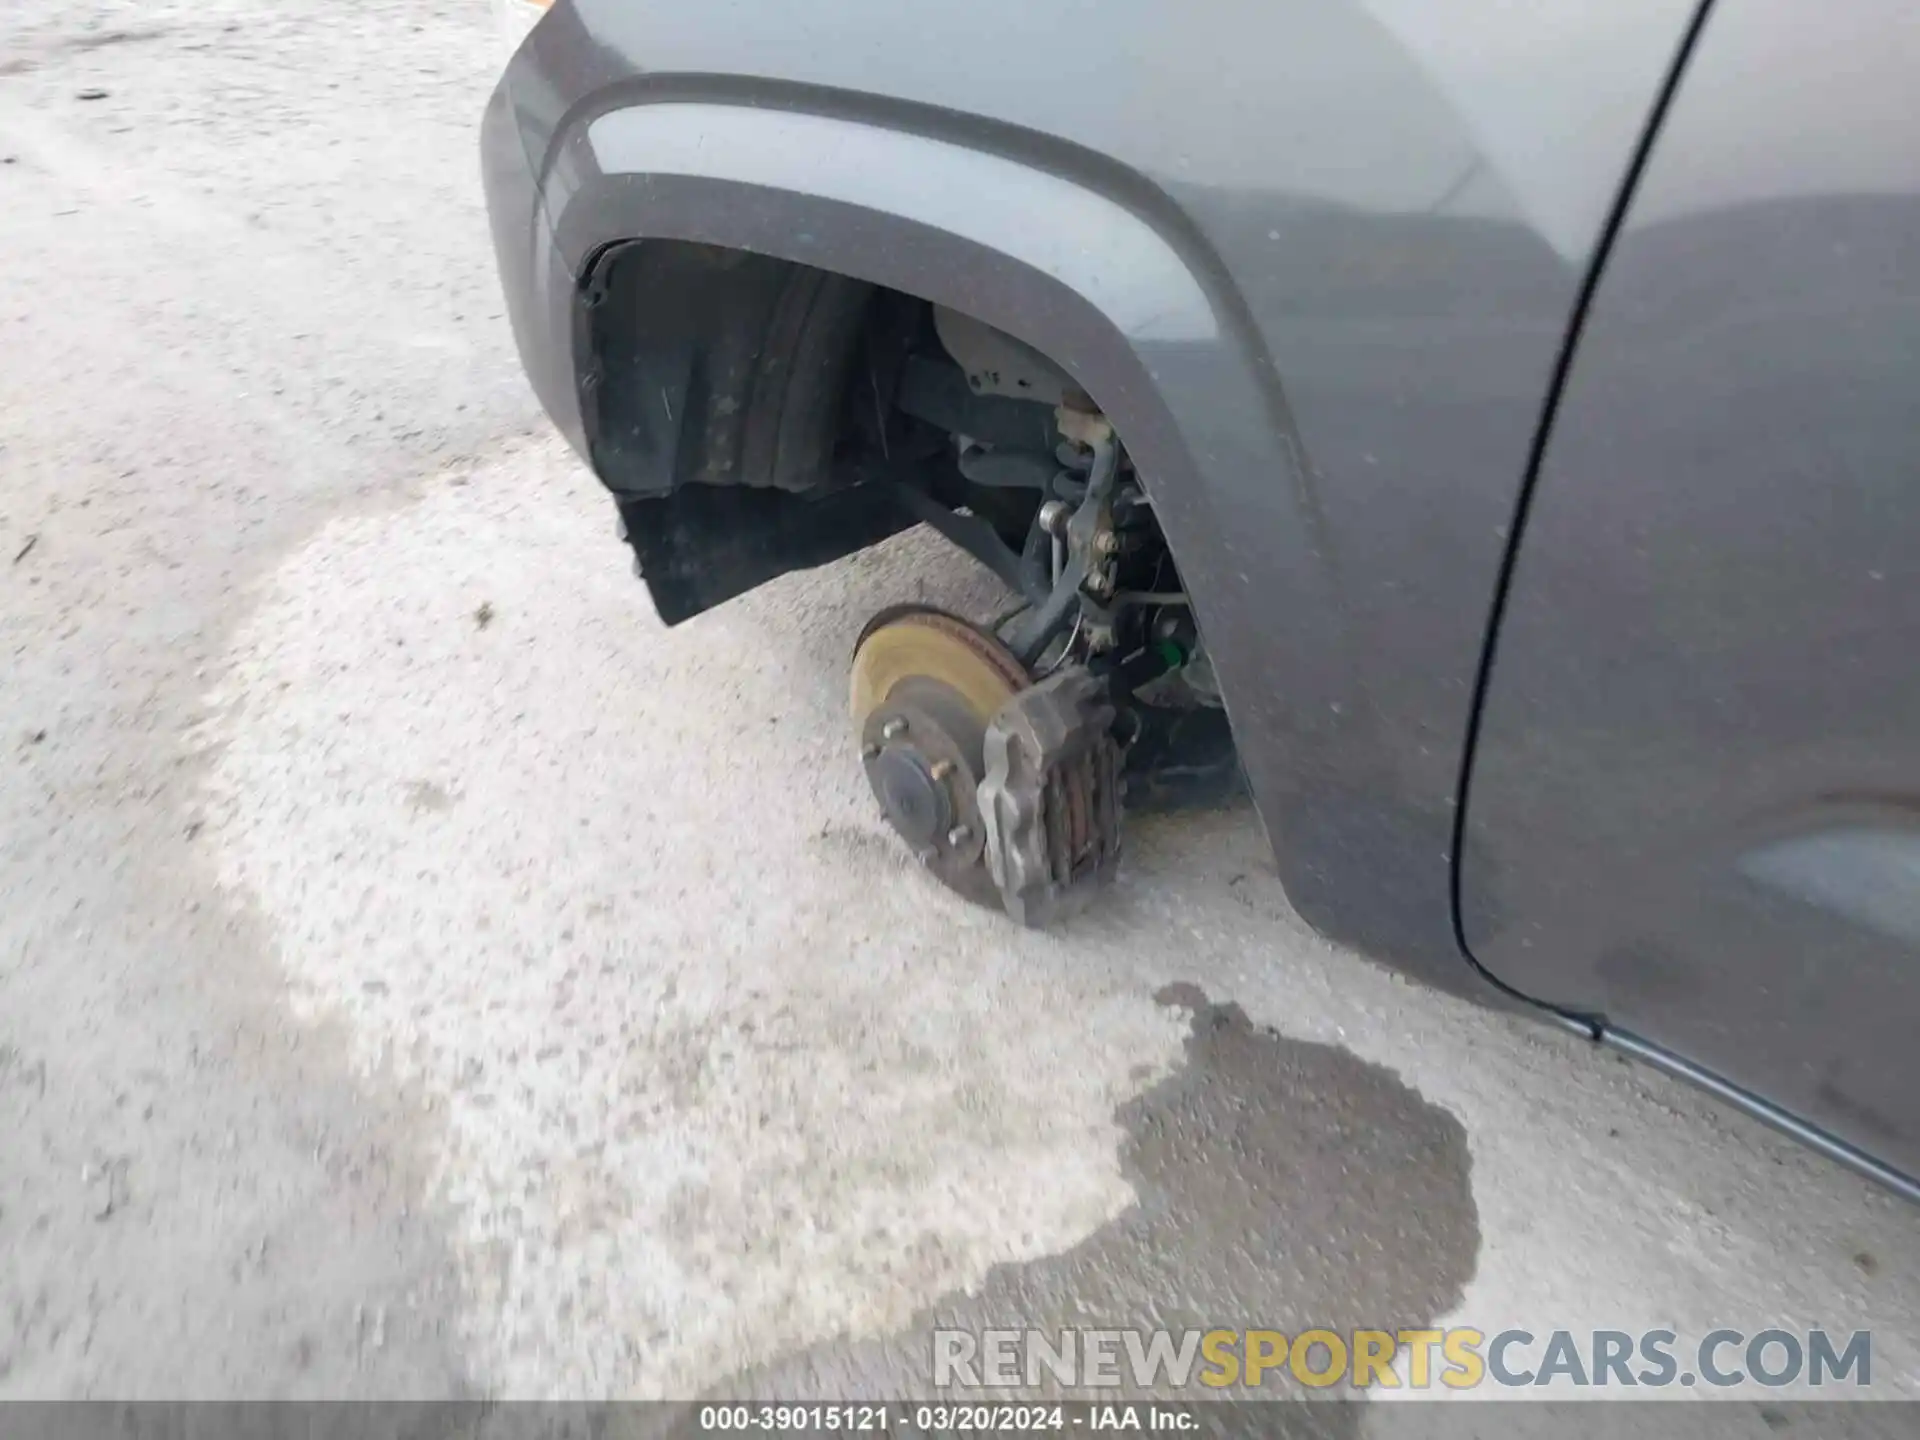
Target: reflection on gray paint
[
  {"x": 1138, "y": 280},
  {"x": 1545, "y": 142},
  {"x": 1797, "y": 100},
  {"x": 1870, "y": 877},
  {"x": 1712, "y": 614}
]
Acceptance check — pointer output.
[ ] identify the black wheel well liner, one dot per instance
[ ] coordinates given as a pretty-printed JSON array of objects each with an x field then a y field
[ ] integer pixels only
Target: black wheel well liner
[
  {"x": 744, "y": 411},
  {"x": 712, "y": 386}
]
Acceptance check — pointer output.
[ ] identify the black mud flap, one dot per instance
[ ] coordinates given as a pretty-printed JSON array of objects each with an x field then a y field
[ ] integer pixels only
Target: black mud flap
[{"x": 708, "y": 543}]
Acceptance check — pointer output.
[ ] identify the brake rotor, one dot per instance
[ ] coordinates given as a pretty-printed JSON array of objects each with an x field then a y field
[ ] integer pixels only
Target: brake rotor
[{"x": 924, "y": 686}]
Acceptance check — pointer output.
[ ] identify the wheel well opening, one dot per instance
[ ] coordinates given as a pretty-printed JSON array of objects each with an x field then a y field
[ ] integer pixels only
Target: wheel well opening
[
  {"x": 754, "y": 416},
  {"x": 711, "y": 366}
]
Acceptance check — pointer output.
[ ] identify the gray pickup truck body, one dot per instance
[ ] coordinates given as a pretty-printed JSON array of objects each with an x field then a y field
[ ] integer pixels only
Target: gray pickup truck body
[{"x": 1527, "y": 394}]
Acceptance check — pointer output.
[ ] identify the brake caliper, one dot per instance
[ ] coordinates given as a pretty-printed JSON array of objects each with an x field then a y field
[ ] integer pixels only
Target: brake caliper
[{"x": 1051, "y": 798}]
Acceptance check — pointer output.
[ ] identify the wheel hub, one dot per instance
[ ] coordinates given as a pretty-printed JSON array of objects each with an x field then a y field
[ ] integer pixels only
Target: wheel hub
[{"x": 915, "y": 804}]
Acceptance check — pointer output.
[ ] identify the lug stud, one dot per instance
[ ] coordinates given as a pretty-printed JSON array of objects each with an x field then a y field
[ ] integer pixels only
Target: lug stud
[
  {"x": 942, "y": 769},
  {"x": 893, "y": 729},
  {"x": 869, "y": 752},
  {"x": 959, "y": 835}
]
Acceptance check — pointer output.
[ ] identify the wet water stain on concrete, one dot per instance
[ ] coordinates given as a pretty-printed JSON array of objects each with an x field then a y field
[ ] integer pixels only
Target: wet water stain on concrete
[{"x": 1281, "y": 1184}]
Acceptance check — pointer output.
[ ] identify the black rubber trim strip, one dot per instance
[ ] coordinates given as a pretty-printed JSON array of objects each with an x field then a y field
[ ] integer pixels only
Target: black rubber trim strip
[
  {"x": 1764, "y": 1111},
  {"x": 1516, "y": 530}
]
